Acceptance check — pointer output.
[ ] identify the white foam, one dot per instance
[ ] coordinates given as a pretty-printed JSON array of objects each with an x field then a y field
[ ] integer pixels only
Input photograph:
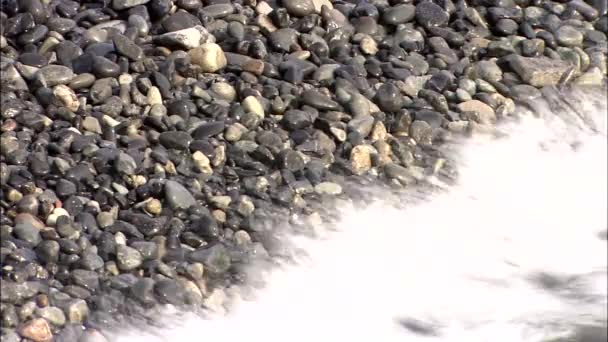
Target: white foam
[{"x": 463, "y": 260}]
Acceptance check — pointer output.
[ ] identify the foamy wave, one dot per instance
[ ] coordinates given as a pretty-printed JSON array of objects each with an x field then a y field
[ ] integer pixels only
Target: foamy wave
[{"x": 510, "y": 253}]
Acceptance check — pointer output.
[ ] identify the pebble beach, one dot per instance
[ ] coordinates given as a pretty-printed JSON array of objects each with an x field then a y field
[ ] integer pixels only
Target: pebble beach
[{"x": 150, "y": 150}]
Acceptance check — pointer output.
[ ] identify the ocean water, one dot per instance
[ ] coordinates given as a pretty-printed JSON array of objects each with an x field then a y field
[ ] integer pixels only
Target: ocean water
[{"x": 513, "y": 252}]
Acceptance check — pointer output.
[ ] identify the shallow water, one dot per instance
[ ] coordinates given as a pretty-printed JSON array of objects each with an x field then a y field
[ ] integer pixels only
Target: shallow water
[{"x": 510, "y": 253}]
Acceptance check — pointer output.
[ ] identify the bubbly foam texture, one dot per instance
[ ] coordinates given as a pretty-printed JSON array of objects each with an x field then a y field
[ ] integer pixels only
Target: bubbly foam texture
[{"x": 462, "y": 264}]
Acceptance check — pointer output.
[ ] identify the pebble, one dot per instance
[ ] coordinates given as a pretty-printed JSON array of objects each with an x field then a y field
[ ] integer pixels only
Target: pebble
[
  {"x": 252, "y": 104},
  {"x": 128, "y": 258},
  {"x": 539, "y": 71},
  {"x": 77, "y": 311},
  {"x": 52, "y": 314},
  {"x": 66, "y": 97},
  {"x": 37, "y": 330},
  {"x": 52, "y": 75},
  {"x": 209, "y": 56},
  {"x": 399, "y": 14},
  {"x": 189, "y": 38},
  {"x": 328, "y": 188},
  {"x": 154, "y": 206},
  {"x": 217, "y": 11},
  {"x": 91, "y": 124},
  {"x": 421, "y": 132},
  {"x": 319, "y": 101},
  {"x": 82, "y": 81},
  {"x": 178, "y": 196},
  {"x": 487, "y": 70},
  {"x": 28, "y": 232},
  {"x": 360, "y": 158},
  {"x": 569, "y": 36},
  {"x": 368, "y": 45},
  {"x": 124, "y": 4},
  {"x": 127, "y": 47},
  {"x": 202, "y": 163},
  {"x": 389, "y": 98},
  {"x": 215, "y": 258},
  {"x": 483, "y": 113},
  {"x": 429, "y": 14},
  {"x": 362, "y": 125},
  {"x": 224, "y": 90},
  {"x": 296, "y": 119},
  {"x": 399, "y": 173},
  {"x": 103, "y": 67},
  {"x": 299, "y": 8}
]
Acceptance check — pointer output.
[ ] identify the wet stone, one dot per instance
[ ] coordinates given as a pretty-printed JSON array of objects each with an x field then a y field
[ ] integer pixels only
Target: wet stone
[
  {"x": 207, "y": 130},
  {"x": 319, "y": 101},
  {"x": 399, "y": 173},
  {"x": 37, "y": 330},
  {"x": 210, "y": 57},
  {"x": 283, "y": 39},
  {"x": 215, "y": 258},
  {"x": 52, "y": 314},
  {"x": 506, "y": 27},
  {"x": 421, "y": 132},
  {"x": 180, "y": 20},
  {"x": 569, "y": 36},
  {"x": 389, "y": 98},
  {"x": 175, "y": 140},
  {"x": 33, "y": 36},
  {"x": 360, "y": 158},
  {"x": 429, "y": 14},
  {"x": 178, "y": 196},
  {"x": 125, "y": 4},
  {"x": 87, "y": 279},
  {"x": 61, "y": 25},
  {"x": 33, "y": 59},
  {"x": 399, "y": 14},
  {"x": 103, "y": 67},
  {"x": 48, "y": 251},
  {"x": 28, "y": 232},
  {"x": 328, "y": 188},
  {"x": 128, "y": 258},
  {"x": 292, "y": 161},
  {"x": 540, "y": 71},
  {"x": 362, "y": 125},
  {"x": 218, "y": 10},
  {"x": 524, "y": 92},
  {"x": 299, "y": 8},
  {"x": 52, "y": 75},
  {"x": 483, "y": 113},
  {"x": 296, "y": 119},
  {"x": 189, "y": 38},
  {"x": 127, "y": 47},
  {"x": 91, "y": 261}
]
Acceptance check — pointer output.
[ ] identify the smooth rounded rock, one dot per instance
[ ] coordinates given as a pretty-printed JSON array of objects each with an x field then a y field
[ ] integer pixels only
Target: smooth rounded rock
[
  {"x": 210, "y": 57},
  {"x": 569, "y": 36},
  {"x": 52, "y": 75},
  {"x": 178, "y": 196},
  {"x": 429, "y": 14},
  {"x": 299, "y": 8},
  {"x": 389, "y": 98}
]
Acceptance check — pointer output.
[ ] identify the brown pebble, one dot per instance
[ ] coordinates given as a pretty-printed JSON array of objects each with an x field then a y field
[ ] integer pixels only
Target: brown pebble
[
  {"x": 42, "y": 300},
  {"x": 37, "y": 330},
  {"x": 8, "y": 125},
  {"x": 254, "y": 66},
  {"x": 29, "y": 218}
]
